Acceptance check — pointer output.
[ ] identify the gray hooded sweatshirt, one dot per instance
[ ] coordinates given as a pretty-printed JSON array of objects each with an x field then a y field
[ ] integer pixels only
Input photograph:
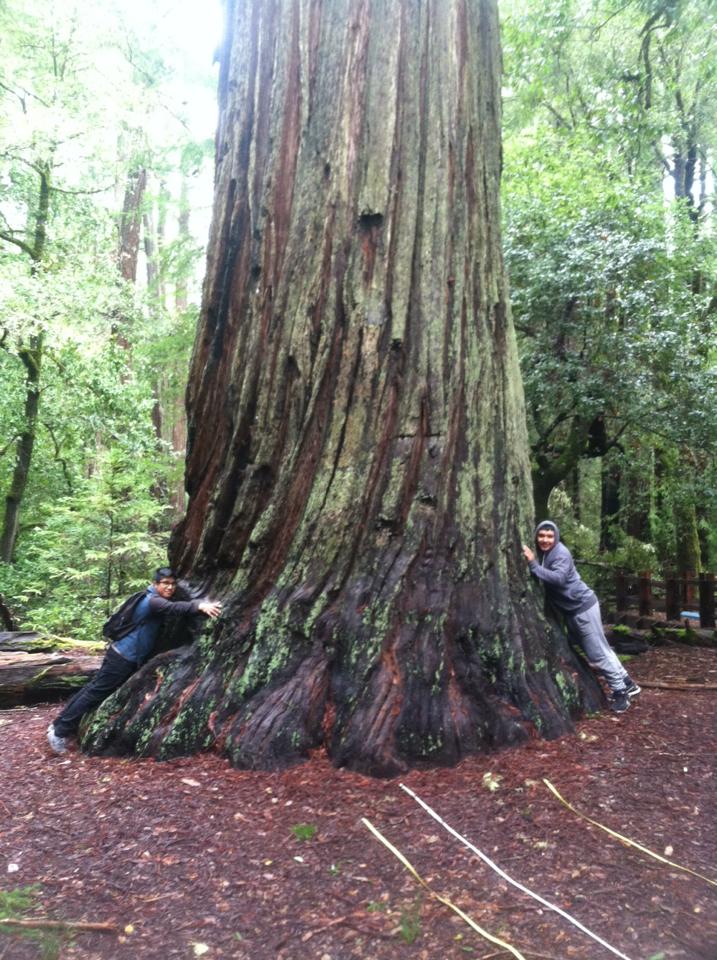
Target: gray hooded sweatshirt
[{"x": 555, "y": 568}]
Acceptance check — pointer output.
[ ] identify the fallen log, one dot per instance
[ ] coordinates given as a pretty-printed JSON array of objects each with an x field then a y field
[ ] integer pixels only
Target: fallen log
[
  {"x": 632, "y": 642},
  {"x": 27, "y": 678},
  {"x": 25, "y": 640},
  {"x": 687, "y": 635}
]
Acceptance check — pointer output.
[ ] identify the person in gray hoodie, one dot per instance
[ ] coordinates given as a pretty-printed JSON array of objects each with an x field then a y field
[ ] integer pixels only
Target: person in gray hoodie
[{"x": 566, "y": 592}]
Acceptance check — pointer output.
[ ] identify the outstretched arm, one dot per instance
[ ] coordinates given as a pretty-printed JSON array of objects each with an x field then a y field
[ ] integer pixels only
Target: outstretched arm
[
  {"x": 158, "y": 605},
  {"x": 211, "y": 608}
]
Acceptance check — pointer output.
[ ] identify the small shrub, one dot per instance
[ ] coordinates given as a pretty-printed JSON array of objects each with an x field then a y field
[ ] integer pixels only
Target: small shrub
[
  {"x": 14, "y": 905},
  {"x": 304, "y": 831},
  {"x": 410, "y": 921},
  {"x": 376, "y": 906}
]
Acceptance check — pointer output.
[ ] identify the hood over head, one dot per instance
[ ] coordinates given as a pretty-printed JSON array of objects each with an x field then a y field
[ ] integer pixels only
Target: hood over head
[{"x": 551, "y": 526}]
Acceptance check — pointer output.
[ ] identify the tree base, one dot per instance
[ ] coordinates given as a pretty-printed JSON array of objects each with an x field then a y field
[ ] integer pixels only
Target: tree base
[{"x": 186, "y": 701}]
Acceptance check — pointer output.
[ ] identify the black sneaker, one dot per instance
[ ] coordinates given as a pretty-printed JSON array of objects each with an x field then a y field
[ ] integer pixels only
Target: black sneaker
[
  {"x": 619, "y": 701},
  {"x": 631, "y": 688}
]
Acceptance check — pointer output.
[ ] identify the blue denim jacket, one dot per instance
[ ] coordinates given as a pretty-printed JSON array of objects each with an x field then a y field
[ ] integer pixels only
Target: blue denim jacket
[{"x": 138, "y": 644}]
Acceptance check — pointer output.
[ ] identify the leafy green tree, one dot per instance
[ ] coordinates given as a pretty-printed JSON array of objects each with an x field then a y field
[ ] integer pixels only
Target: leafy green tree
[
  {"x": 613, "y": 284},
  {"x": 83, "y": 109}
]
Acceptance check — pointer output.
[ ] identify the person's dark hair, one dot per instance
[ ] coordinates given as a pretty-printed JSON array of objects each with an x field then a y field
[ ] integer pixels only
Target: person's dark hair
[{"x": 162, "y": 573}]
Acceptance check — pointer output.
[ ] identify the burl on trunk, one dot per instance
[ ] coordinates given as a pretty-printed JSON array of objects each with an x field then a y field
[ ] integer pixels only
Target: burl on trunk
[{"x": 357, "y": 470}]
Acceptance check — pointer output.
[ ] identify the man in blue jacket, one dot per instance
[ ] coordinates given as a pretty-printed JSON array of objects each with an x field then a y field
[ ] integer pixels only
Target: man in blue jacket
[
  {"x": 553, "y": 565},
  {"x": 125, "y": 656}
]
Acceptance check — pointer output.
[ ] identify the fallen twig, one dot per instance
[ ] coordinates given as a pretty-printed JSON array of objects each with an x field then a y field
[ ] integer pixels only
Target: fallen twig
[
  {"x": 42, "y": 924},
  {"x": 657, "y": 685},
  {"x": 320, "y": 929},
  {"x": 626, "y": 840},
  {"x": 347, "y": 920}
]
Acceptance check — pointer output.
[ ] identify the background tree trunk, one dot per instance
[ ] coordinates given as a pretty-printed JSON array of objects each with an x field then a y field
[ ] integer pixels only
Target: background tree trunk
[
  {"x": 687, "y": 541},
  {"x": 611, "y": 482},
  {"x": 639, "y": 494},
  {"x": 30, "y": 354},
  {"x": 130, "y": 223},
  {"x": 7, "y": 620},
  {"x": 358, "y": 460}
]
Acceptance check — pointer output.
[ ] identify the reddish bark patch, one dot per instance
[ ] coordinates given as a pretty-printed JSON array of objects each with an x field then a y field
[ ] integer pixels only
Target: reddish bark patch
[{"x": 194, "y": 852}]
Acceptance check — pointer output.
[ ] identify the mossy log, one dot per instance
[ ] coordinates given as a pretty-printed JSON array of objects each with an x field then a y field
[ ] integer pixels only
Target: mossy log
[
  {"x": 633, "y": 641},
  {"x": 688, "y": 635},
  {"x": 26, "y": 641},
  {"x": 357, "y": 470},
  {"x": 27, "y": 678}
]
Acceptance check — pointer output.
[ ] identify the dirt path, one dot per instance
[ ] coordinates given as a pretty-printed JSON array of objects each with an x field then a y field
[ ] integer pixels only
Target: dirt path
[{"x": 196, "y": 859}]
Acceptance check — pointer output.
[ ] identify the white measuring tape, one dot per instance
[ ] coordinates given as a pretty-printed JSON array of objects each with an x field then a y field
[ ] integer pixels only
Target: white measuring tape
[{"x": 504, "y": 875}]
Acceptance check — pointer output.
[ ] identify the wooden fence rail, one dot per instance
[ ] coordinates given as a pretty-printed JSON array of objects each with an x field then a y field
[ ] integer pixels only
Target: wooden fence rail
[{"x": 674, "y": 596}]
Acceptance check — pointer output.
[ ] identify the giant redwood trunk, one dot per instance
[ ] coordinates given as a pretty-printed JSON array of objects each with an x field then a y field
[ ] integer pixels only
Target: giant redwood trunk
[{"x": 357, "y": 468}]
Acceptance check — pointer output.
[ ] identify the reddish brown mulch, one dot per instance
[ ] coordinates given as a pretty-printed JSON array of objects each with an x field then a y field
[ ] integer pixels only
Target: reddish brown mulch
[{"x": 194, "y": 858}]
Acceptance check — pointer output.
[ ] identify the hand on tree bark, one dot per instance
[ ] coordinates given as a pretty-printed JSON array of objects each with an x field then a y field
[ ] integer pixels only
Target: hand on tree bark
[
  {"x": 210, "y": 608},
  {"x": 528, "y": 553}
]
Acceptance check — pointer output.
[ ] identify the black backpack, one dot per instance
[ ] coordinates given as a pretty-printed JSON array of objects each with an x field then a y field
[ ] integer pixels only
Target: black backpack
[{"x": 121, "y": 622}]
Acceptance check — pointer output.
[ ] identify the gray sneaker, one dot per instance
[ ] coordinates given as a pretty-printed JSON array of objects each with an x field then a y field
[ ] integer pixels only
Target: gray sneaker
[
  {"x": 57, "y": 744},
  {"x": 631, "y": 688}
]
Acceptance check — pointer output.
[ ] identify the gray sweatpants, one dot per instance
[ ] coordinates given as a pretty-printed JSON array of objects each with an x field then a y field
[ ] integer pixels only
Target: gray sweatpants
[{"x": 586, "y": 629}]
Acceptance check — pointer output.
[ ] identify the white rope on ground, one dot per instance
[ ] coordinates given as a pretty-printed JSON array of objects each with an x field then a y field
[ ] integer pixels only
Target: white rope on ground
[
  {"x": 626, "y": 840},
  {"x": 444, "y": 900},
  {"x": 515, "y": 883}
]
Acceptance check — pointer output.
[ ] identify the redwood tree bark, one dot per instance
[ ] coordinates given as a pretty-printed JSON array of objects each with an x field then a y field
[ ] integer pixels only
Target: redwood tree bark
[{"x": 358, "y": 461}]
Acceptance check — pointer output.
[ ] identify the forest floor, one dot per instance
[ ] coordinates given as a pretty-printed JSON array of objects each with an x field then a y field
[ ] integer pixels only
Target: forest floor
[{"x": 191, "y": 858}]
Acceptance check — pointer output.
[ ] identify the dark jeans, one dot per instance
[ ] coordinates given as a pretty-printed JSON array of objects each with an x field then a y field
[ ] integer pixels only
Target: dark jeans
[{"x": 112, "y": 674}]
